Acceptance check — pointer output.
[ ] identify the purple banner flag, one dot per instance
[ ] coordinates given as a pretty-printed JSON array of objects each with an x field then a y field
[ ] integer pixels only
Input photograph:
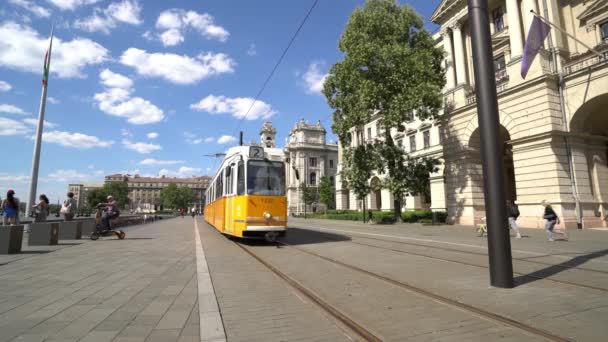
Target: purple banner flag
[{"x": 536, "y": 36}]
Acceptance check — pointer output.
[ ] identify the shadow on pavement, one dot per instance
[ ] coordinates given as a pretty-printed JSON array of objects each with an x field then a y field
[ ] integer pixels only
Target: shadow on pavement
[
  {"x": 35, "y": 252},
  {"x": 69, "y": 243},
  {"x": 298, "y": 236},
  {"x": 555, "y": 269}
]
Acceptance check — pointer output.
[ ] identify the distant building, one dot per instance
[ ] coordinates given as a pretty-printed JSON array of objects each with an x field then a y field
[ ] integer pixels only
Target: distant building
[
  {"x": 144, "y": 192},
  {"x": 80, "y": 192},
  {"x": 309, "y": 159}
]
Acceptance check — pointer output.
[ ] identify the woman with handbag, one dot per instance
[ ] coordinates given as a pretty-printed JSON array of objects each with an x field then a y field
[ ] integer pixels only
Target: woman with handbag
[
  {"x": 552, "y": 220},
  {"x": 41, "y": 209},
  {"x": 69, "y": 207}
]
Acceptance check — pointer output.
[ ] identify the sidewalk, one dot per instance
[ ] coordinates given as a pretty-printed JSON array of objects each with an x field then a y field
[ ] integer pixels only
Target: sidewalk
[{"x": 140, "y": 288}]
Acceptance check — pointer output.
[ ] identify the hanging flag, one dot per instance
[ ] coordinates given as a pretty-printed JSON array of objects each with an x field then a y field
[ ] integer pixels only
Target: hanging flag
[
  {"x": 47, "y": 62},
  {"x": 536, "y": 36}
]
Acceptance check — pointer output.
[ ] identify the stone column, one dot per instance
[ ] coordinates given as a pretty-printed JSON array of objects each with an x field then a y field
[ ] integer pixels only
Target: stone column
[
  {"x": 449, "y": 69},
  {"x": 515, "y": 34},
  {"x": 528, "y": 5},
  {"x": 459, "y": 55}
]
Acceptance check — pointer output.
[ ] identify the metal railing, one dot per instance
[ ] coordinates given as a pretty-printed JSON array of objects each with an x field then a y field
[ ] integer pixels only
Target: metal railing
[{"x": 586, "y": 60}]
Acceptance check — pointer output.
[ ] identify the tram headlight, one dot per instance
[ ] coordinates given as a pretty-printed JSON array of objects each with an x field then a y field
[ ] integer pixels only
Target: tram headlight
[{"x": 267, "y": 215}]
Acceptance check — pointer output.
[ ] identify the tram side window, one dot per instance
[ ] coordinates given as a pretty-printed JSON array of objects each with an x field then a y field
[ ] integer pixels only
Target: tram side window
[
  {"x": 220, "y": 185},
  {"x": 228, "y": 180},
  {"x": 240, "y": 182}
]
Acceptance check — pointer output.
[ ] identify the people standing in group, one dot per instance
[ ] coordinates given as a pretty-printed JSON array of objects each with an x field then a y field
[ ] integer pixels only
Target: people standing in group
[
  {"x": 552, "y": 220},
  {"x": 513, "y": 212},
  {"x": 69, "y": 207},
  {"x": 10, "y": 209},
  {"x": 41, "y": 209}
]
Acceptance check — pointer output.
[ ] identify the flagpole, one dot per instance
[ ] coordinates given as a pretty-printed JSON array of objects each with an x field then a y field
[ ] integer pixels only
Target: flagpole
[
  {"x": 568, "y": 34},
  {"x": 38, "y": 143}
]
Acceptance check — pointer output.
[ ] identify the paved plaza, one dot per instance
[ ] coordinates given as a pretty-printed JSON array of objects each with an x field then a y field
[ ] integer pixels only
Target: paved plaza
[{"x": 180, "y": 280}]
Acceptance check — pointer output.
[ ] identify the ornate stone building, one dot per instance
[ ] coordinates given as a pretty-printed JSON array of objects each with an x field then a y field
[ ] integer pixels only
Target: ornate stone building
[
  {"x": 554, "y": 123},
  {"x": 80, "y": 192},
  {"x": 309, "y": 158},
  {"x": 144, "y": 192}
]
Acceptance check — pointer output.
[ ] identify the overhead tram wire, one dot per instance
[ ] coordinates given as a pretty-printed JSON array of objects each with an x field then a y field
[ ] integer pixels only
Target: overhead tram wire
[{"x": 277, "y": 63}]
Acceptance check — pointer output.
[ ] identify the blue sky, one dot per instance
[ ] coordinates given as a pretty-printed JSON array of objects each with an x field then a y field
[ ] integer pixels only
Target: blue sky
[{"x": 153, "y": 86}]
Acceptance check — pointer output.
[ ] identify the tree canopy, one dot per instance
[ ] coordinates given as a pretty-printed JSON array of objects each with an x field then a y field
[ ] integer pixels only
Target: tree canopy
[
  {"x": 176, "y": 197},
  {"x": 391, "y": 70},
  {"x": 326, "y": 192}
]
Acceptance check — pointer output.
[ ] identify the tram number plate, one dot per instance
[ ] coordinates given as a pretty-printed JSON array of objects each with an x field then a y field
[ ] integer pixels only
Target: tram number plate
[{"x": 256, "y": 152}]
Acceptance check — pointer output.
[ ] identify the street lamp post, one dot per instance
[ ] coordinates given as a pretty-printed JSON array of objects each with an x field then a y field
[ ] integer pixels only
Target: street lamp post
[{"x": 499, "y": 244}]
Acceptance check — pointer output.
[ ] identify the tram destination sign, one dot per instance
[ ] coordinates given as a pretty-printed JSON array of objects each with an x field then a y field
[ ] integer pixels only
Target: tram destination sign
[{"x": 256, "y": 152}]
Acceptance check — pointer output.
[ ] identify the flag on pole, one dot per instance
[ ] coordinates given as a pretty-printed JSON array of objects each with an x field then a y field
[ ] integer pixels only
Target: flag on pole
[
  {"x": 536, "y": 36},
  {"x": 47, "y": 62}
]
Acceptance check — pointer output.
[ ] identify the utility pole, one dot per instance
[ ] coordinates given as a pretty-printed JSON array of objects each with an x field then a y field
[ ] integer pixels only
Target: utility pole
[{"x": 499, "y": 244}]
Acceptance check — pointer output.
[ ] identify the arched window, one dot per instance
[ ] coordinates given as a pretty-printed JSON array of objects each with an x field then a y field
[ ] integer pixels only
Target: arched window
[{"x": 313, "y": 178}]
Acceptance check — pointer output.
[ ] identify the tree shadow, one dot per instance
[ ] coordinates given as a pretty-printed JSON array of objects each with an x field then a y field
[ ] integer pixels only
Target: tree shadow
[{"x": 555, "y": 269}]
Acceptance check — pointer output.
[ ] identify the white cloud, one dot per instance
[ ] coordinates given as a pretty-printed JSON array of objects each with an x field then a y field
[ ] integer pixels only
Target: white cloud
[
  {"x": 192, "y": 138},
  {"x": 209, "y": 139},
  {"x": 75, "y": 140},
  {"x": 141, "y": 147},
  {"x": 125, "y": 11},
  {"x": 116, "y": 100},
  {"x": 34, "y": 122},
  {"x": 182, "y": 172},
  {"x": 113, "y": 80},
  {"x": 252, "y": 50},
  {"x": 177, "y": 68},
  {"x": 175, "y": 21},
  {"x": 237, "y": 107},
  {"x": 5, "y": 86},
  {"x": 152, "y": 135},
  {"x": 151, "y": 161},
  {"x": 13, "y": 127},
  {"x": 125, "y": 132},
  {"x": 71, "y": 4},
  {"x": 314, "y": 79},
  {"x": 22, "y": 48},
  {"x": 38, "y": 11},
  {"x": 226, "y": 139},
  {"x": 52, "y": 100},
  {"x": 65, "y": 176},
  {"x": 11, "y": 109}
]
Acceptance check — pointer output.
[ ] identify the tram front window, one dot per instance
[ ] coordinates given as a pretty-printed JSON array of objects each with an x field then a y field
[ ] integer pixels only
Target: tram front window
[{"x": 265, "y": 178}]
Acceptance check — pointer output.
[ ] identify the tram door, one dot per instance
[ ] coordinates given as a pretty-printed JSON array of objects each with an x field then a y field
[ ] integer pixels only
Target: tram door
[{"x": 229, "y": 207}]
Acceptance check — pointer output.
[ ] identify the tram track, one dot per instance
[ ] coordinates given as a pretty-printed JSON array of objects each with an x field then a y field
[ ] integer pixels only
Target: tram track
[
  {"x": 428, "y": 294},
  {"x": 565, "y": 267},
  {"x": 323, "y": 305}
]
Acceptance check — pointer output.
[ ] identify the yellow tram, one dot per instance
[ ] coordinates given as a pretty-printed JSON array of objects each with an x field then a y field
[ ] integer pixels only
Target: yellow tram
[{"x": 247, "y": 195}]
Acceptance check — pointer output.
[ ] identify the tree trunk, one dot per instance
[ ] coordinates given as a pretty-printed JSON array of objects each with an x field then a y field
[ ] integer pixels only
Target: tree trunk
[
  {"x": 364, "y": 211},
  {"x": 397, "y": 204}
]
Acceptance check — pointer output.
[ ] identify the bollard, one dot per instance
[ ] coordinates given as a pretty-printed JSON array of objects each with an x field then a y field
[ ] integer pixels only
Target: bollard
[
  {"x": 70, "y": 230},
  {"x": 11, "y": 238},
  {"x": 43, "y": 234}
]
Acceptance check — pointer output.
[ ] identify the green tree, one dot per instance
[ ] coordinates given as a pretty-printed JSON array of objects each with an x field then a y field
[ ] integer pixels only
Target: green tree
[
  {"x": 392, "y": 67},
  {"x": 176, "y": 197},
  {"x": 359, "y": 163},
  {"x": 309, "y": 195},
  {"x": 326, "y": 193},
  {"x": 118, "y": 190}
]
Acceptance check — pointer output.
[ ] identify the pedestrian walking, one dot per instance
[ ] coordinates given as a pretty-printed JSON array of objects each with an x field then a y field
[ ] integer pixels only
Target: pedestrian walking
[
  {"x": 513, "y": 215},
  {"x": 552, "y": 221},
  {"x": 193, "y": 212},
  {"x": 10, "y": 208},
  {"x": 69, "y": 207},
  {"x": 41, "y": 210}
]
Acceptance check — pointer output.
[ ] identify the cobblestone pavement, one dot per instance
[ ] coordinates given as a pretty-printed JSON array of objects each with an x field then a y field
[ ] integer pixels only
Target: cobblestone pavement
[
  {"x": 145, "y": 288},
  {"x": 142, "y": 288},
  {"x": 451, "y": 261}
]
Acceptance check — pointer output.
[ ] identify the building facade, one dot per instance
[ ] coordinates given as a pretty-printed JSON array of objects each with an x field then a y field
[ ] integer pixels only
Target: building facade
[
  {"x": 309, "y": 158},
  {"x": 80, "y": 192},
  {"x": 144, "y": 192},
  {"x": 554, "y": 123}
]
